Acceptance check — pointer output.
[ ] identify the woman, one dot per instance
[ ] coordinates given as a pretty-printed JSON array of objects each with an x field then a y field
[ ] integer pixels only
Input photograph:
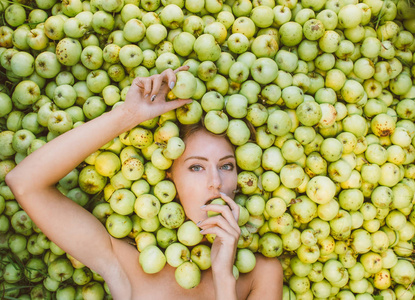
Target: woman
[{"x": 208, "y": 163}]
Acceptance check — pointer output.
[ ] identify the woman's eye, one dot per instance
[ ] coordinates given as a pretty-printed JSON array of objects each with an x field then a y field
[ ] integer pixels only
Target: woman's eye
[
  {"x": 228, "y": 167},
  {"x": 195, "y": 168}
]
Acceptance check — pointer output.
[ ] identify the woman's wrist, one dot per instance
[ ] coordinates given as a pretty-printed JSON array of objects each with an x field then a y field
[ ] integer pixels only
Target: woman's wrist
[
  {"x": 128, "y": 118},
  {"x": 225, "y": 285}
]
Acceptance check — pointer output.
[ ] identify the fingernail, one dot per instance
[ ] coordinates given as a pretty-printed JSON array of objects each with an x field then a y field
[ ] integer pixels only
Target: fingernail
[
  {"x": 153, "y": 97},
  {"x": 223, "y": 194},
  {"x": 171, "y": 85},
  {"x": 203, "y": 206},
  {"x": 201, "y": 230},
  {"x": 146, "y": 96},
  {"x": 198, "y": 223}
]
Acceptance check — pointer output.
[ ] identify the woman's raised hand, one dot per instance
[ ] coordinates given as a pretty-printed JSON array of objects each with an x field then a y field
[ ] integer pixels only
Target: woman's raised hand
[{"x": 146, "y": 98}]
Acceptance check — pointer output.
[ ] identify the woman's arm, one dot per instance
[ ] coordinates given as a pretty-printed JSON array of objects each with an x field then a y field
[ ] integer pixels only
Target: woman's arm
[{"x": 33, "y": 180}]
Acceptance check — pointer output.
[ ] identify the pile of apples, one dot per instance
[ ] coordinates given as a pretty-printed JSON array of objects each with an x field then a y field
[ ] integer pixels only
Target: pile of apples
[{"x": 326, "y": 181}]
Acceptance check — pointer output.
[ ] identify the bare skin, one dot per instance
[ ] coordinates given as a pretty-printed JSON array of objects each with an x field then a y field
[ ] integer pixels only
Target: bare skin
[{"x": 80, "y": 234}]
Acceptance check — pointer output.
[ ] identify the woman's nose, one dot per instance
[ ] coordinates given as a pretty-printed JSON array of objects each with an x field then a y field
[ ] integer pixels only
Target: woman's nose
[{"x": 215, "y": 181}]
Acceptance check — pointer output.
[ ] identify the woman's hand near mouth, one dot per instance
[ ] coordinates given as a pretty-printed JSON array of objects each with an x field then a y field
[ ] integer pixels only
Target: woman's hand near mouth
[{"x": 223, "y": 252}]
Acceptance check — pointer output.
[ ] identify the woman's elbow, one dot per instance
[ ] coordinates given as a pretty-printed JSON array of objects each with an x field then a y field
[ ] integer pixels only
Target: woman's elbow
[{"x": 15, "y": 184}]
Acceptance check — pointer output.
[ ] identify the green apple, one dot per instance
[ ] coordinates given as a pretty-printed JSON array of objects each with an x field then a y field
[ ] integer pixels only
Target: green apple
[
  {"x": 174, "y": 148},
  {"x": 189, "y": 113},
  {"x": 118, "y": 226},
  {"x": 188, "y": 275},
  {"x": 54, "y": 27},
  {"x": 132, "y": 168},
  {"x": 270, "y": 245},
  {"x": 90, "y": 181},
  {"x": 82, "y": 276},
  {"x": 171, "y": 215},
  {"x": 206, "y": 48},
  {"x": 216, "y": 121},
  {"x": 238, "y": 132},
  {"x": 21, "y": 140},
  {"x": 255, "y": 205},
  {"x": 74, "y": 28},
  {"x": 152, "y": 174},
  {"x": 131, "y": 56},
  {"x": 152, "y": 259},
  {"x": 150, "y": 225},
  {"x": 37, "y": 39},
  {"x": 60, "y": 269},
  {"x": 122, "y": 201},
  {"x": 64, "y": 96},
  {"x": 147, "y": 206},
  {"x": 6, "y": 140},
  {"x": 247, "y": 182},
  {"x": 200, "y": 255},
  {"x": 97, "y": 80},
  {"x": 93, "y": 290},
  {"x": 165, "y": 191},
  {"x": 206, "y": 70},
  {"x": 183, "y": 43},
  {"x": 291, "y": 33},
  {"x": 237, "y": 106},
  {"x": 26, "y": 92},
  {"x": 134, "y": 30},
  {"x": 47, "y": 64},
  {"x": 248, "y": 156},
  {"x": 140, "y": 137},
  {"x": 68, "y": 51},
  {"x": 185, "y": 86},
  {"x": 189, "y": 234},
  {"x": 212, "y": 100},
  {"x": 238, "y": 43},
  {"x": 144, "y": 239},
  {"x": 102, "y": 22},
  {"x": 6, "y": 104},
  {"x": 59, "y": 122},
  {"x": 159, "y": 160},
  {"x": 176, "y": 254},
  {"x": 22, "y": 64},
  {"x": 245, "y": 260},
  {"x": 92, "y": 57},
  {"x": 265, "y": 45},
  {"x": 264, "y": 70}
]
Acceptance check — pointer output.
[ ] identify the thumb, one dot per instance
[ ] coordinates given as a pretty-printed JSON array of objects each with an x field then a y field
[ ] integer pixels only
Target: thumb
[{"x": 177, "y": 103}]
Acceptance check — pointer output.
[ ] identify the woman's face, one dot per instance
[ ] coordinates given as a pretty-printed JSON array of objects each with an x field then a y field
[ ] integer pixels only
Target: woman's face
[{"x": 206, "y": 168}]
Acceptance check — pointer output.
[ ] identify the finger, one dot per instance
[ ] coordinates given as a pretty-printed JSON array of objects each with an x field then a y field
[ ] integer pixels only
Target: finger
[
  {"x": 137, "y": 85},
  {"x": 222, "y": 235},
  {"x": 182, "y": 68},
  {"x": 220, "y": 221},
  {"x": 169, "y": 77},
  {"x": 225, "y": 212},
  {"x": 232, "y": 204},
  {"x": 156, "y": 88},
  {"x": 170, "y": 105},
  {"x": 146, "y": 87}
]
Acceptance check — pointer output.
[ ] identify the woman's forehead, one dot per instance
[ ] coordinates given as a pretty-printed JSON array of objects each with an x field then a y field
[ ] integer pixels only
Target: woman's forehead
[{"x": 202, "y": 141}]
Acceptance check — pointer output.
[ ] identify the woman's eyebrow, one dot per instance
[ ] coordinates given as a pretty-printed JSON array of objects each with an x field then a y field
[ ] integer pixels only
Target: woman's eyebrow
[
  {"x": 206, "y": 159},
  {"x": 227, "y": 156},
  {"x": 196, "y": 157}
]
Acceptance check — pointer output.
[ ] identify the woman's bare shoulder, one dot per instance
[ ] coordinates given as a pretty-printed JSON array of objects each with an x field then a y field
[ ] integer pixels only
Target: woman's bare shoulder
[{"x": 266, "y": 279}]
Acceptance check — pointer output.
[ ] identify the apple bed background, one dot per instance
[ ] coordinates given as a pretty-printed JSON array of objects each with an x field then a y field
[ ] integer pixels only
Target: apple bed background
[{"x": 326, "y": 183}]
